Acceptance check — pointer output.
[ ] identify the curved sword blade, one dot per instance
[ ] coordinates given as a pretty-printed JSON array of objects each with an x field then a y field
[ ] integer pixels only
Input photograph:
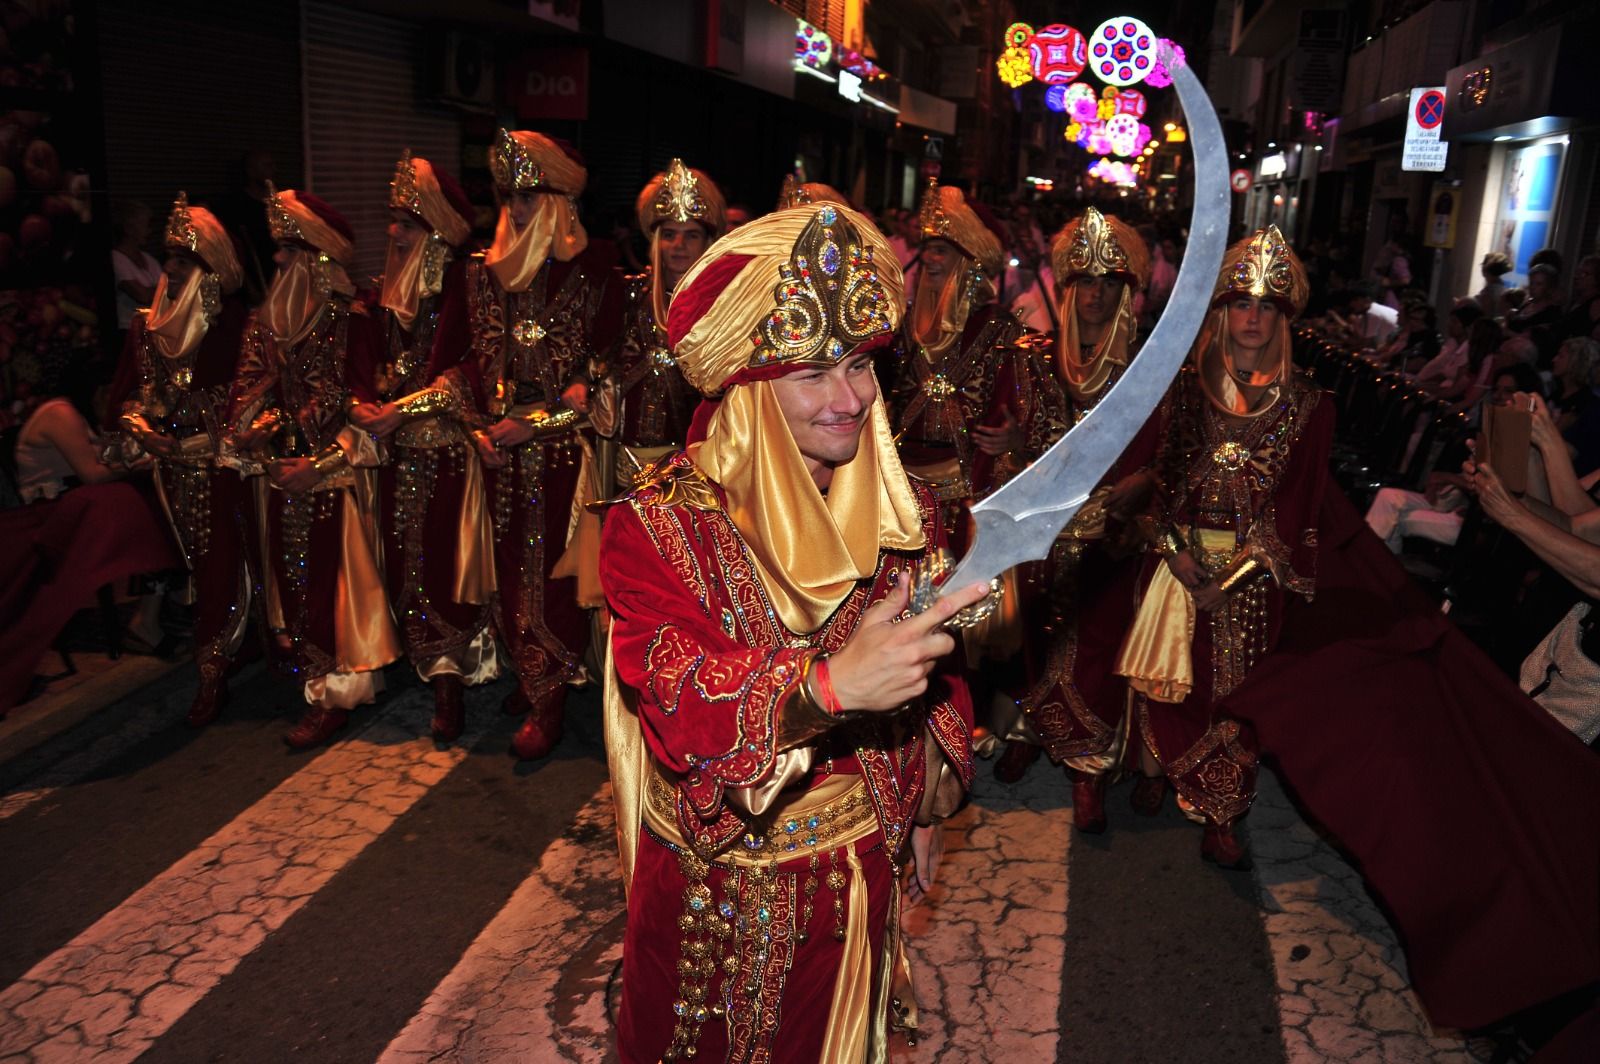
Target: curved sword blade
[{"x": 1021, "y": 520}]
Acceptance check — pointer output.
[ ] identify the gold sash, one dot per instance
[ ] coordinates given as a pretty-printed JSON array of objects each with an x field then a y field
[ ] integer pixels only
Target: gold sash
[{"x": 1157, "y": 655}]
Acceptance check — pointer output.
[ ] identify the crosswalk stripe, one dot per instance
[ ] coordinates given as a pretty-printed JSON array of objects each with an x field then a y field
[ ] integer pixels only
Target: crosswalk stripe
[
  {"x": 532, "y": 986},
  {"x": 117, "y": 987}
]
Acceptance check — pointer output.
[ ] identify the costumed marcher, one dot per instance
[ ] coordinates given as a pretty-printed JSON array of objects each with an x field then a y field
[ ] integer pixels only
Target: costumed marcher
[
  {"x": 1076, "y": 709},
  {"x": 773, "y": 736},
  {"x": 539, "y": 309},
  {"x": 644, "y": 397},
  {"x": 973, "y": 403},
  {"x": 1242, "y": 461},
  {"x": 433, "y": 506},
  {"x": 314, "y": 474},
  {"x": 180, "y": 360},
  {"x": 794, "y": 193}
]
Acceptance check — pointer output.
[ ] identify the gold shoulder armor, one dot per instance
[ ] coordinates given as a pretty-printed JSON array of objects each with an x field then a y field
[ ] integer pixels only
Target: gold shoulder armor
[{"x": 670, "y": 481}]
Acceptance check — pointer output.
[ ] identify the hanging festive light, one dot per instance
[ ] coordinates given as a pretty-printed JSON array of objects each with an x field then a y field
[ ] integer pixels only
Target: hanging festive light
[
  {"x": 1013, "y": 68},
  {"x": 1082, "y": 103},
  {"x": 1123, "y": 51},
  {"x": 1131, "y": 102},
  {"x": 1017, "y": 35},
  {"x": 1122, "y": 133},
  {"x": 1114, "y": 173},
  {"x": 812, "y": 47},
  {"x": 1160, "y": 77},
  {"x": 1057, "y": 54},
  {"x": 1055, "y": 97}
]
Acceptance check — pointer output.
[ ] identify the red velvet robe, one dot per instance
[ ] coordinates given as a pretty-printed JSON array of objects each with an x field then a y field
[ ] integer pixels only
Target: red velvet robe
[{"x": 695, "y": 635}]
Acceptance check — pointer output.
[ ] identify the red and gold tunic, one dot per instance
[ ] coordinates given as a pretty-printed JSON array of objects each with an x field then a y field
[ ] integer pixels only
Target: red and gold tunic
[
  {"x": 186, "y": 398},
  {"x": 1234, "y": 488},
  {"x": 654, "y": 403},
  {"x": 431, "y": 492},
  {"x": 731, "y": 912},
  {"x": 527, "y": 349}
]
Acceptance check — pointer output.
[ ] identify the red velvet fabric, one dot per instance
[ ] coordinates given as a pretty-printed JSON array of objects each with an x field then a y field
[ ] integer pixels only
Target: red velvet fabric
[
  {"x": 690, "y": 305},
  {"x": 58, "y": 554},
  {"x": 1472, "y": 814}
]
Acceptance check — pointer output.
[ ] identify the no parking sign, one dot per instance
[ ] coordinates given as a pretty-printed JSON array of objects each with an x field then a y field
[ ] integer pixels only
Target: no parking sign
[{"x": 1423, "y": 148}]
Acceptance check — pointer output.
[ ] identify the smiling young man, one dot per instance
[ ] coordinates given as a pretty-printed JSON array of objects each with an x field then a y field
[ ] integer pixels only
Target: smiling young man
[
  {"x": 776, "y": 730},
  {"x": 432, "y": 503}
]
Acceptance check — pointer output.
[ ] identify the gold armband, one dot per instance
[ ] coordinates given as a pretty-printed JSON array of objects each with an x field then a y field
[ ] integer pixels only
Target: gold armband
[
  {"x": 1167, "y": 542},
  {"x": 800, "y": 716},
  {"x": 544, "y": 423},
  {"x": 267, "y": 421},
  {"x": 1239, "y": 572},
  {"x": 330, "y": 461},
  {"x": 429, "y": 402}
]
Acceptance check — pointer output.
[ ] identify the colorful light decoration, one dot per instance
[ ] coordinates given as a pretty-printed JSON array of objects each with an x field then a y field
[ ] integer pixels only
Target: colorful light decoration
[
  {"x": 860, "y": 65},
  {"x": 1081, "y": 102},
  {"x": 1114, "y": 173},
  {"x": 1160, "y": 77},
  {"x": 1013, "y": 66},
  {"x": 1055, "y": 97},
  {"x": 1131, "y": 102},
  {"x": 1122, "y": 133},
  {"x": 1057, "y": 54},
  {"x": 812, "y": 47},
  {"x": 1123, "y": 51}
]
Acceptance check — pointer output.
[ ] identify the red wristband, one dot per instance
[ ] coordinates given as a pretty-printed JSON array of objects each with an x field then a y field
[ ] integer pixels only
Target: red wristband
[{"x": 830, "y": 700}]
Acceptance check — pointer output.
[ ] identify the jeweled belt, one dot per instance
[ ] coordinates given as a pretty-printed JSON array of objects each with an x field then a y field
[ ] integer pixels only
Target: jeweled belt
[{"x": 803, "y": 826}]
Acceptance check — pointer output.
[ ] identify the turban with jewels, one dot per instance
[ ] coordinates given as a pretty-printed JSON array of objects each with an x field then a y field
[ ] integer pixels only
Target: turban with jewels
[
  {"x": 197, "y": 231},
  {"x": 303, "y": 218}
]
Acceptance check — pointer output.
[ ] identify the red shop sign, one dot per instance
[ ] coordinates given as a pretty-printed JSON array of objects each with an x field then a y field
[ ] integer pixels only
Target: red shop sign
[{"x": 549, "y": 83}]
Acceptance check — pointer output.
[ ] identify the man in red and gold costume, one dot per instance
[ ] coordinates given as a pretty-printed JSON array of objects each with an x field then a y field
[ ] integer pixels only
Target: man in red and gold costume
[
  {"x": 179, "y": 361},
  {"x": 1241, "y": 456},
  {"x": 973, "y": 398},
  {"x": 774, "y": 737},
  {"x": 439, "y": 561},
  {"x": 539, "y": 309},
  {"x": 314, "y": 472},
  {"x": 1076, "y": 708},
  {"x": 681, "y": 211}
]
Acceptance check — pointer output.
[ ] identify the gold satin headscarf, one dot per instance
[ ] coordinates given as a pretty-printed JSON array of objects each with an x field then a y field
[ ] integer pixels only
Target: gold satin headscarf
[
  {"x": 809, "y": 549},
  {"x": 516, "y": 256},
  {"x": 949, "y": 306},
  {"x": 177, "y": 325},
  {"x": 411, "y": 276},
  {"x": 1084, "y": 379},
  {"x": 677, "y": 194},
  {"x": 297, "y": 298},
  {"x": 1094, "y": 245}
]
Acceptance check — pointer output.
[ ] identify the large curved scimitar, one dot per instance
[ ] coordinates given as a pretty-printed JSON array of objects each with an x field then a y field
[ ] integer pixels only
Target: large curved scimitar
[{"x": 1020, "y": 521}]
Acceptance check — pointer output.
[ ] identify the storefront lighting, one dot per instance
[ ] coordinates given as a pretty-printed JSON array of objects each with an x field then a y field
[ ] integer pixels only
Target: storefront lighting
[
  {"x": 1316, "y": 147},
  {"x": 867, "y": 97},
  {"x": 1177, "y": 134},
  {"x": 1274, "y": 165},
  {"x": 1170, "y": 126},
  {"x": 1503, "y": 136},
  {"x": 850, "y": 86}
]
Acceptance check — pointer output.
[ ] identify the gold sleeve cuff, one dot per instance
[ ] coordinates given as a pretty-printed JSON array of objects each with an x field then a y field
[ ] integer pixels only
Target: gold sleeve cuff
[
  {"x": 332, "y": 460},
  {"x": 1239, "y": 572},
  {"x": 544, "y": 423},
  {"x": 1166, "y": 541},
  {"x": 267, "y": 421},
  {"x": 801, "y": 717},
  {"x": 429, "y": 402}
]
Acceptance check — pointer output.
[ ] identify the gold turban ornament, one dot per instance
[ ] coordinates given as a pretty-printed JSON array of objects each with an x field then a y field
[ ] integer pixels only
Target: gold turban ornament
[
  {"x": 300, "y": 291},
  {"x": 794, "y": 193},
  {"x": 1093, "y": 245},
  {"x": 417, "y": 273},
  {"x": 524, "y": 161},
  {"x": 678, "y": 194},
  {"x": 939, "y": 317},
  {"x": 1261, "y": 266},
  {"x": 807, "y": 286},
  {"x": 177, "y": 323}
]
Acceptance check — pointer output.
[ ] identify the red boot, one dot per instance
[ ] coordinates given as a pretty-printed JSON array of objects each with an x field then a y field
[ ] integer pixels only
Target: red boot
[
  {"x": 1148, "y": 794},
  {"x": 1223, "y": 847},
  {"x": 1089, "y": 802},
  {"x": 316, "y": 727},
  {"x": 208, "y": 700},
  {"x": 1013, "y": 763},
  {"x": 541, "y": 731},
  {"x": 449, "y": 712}
]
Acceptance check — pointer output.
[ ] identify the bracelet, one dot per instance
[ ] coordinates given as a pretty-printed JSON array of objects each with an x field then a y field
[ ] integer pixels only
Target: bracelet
[
  {"x": 329, "y": 461},
  {"x": 801, "y": 717},
  {"x": 830, "y": 700},
  {"x": 1169, "y": 543},
  {"x": 428, "y": 402}
]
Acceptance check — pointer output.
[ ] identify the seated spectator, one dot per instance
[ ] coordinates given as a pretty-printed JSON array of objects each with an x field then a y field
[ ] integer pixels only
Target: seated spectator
[
  {"x": 1365, "y": 323},
  {"x": 1573, "y": 376},
  {"x": 1583, "y": 313},
  {"x": 1434, "y": 514},
  {"x": 1562, "y": 673},
  {"x": 1475, "y": 370},
  {"x": 1414, "y": 343},
  {"x": 1495, "y": 265},
  {"x": 1452, "y": 356},
  {"x": 1539, "y": 318},
  {"x": 56, "y": 449}
]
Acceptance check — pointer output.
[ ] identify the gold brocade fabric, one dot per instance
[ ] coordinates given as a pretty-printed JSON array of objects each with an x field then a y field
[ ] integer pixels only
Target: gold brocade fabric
[
  {"x": 850, "y": 1024},
  {"x": 1156, "y": 655},
  {"x": 295, "y": 302},
  {"x": 808, "y": 550},
  {"x": 939, "y": 317},
  {"x": 516, "y": 256},
  {"x": 292, "y": 220},
  {"x": 1085, "y": 379},
  {"x": 176, "y": 325},
  {"x": 475, "y": 579}
]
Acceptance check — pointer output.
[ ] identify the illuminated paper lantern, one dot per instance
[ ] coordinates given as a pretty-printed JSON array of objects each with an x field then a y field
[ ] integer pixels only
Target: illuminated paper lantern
[
  {"x": 1123, "y": 51},
  {"x": 1057, "y": 54},
  {"x": 1131, "y": 102}
]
